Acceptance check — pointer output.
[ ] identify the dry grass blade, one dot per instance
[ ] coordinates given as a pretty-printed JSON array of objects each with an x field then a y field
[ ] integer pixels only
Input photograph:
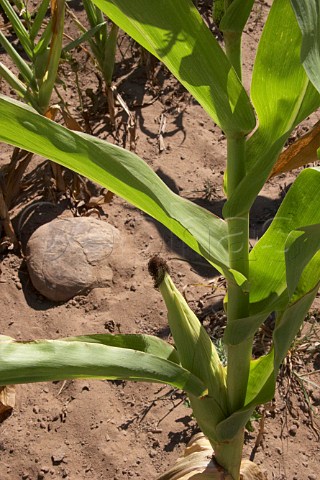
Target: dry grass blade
[{"x": 300, "y": 153}]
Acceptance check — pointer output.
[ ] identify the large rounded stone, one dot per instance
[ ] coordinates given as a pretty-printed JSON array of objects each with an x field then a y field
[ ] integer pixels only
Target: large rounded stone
[{"x": 69, "y": 256}]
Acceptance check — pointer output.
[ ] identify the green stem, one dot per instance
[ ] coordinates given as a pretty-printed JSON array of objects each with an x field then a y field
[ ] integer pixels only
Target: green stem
[
  {"x": 238, "y": 300},
  {"x": 229, "y": 454}
]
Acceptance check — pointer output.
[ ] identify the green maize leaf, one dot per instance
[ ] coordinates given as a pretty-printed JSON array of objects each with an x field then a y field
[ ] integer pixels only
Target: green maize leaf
[
  {"x": 110, "y": 46},
  {"x": 301, "y": 245},
  {"x": 197, "y": 354},
  {"x": 13, "y": 81},
  {"x": 43, "y": 43},
  {"x": 282, "y": 96},
  {"x": 194, "y": 346},
  {"x": 22, "y": 66},
  {"x": 95, "y": 16},
  {"x": 260, "y": 390},
  {"x": 287, "y": 326},
  {"x": 243, "y": 328},
  {"x": 40, "y": 66},
  {"x": 49, "y": 360},
  {"x": 268, "y": 267},
  {"x": 92, "y": 12},
  {"x": 264, "y": 371},
  {"x": 261, "y": 384},
  {"x": 83, "y": 38},
  {"x": 290, "y": 320},
  {"x": 236, "y": 16},
  {"x": 308, "y": 16},
  {"x": 217, "y": 11},
  {"x": 20, "y": 30},
  {"x": 49, "y": 78},
  {"x": 119, "y": 170},
  {"x": 174, "y": 32},
  {"x": 37, "y": 23},
  {"x": 141, "y": 343}
]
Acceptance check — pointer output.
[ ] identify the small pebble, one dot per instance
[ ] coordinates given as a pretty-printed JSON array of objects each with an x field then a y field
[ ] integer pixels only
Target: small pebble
[{"x": 293, "y": 430}]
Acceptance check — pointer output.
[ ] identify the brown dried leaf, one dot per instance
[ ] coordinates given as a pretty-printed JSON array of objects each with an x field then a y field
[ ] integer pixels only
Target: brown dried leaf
[
  {"x": 300, "y": 153},
  {"x": 7, "y": 398},
  {"x": 71, "y": 122},
  {"x": 52, "y": 112}
]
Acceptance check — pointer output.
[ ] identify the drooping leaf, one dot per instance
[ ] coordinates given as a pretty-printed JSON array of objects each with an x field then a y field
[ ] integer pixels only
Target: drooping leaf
[
  {"x": 139, "y": 342},
  {"x": 119, "y": 170},
  {"x": 282, "y": 96},
  {"x": 175, "y": 33},
  {"x": 308, "y": 16},
  {"x": 299, "y": 153},
  {"x": 49, "y": 360}
]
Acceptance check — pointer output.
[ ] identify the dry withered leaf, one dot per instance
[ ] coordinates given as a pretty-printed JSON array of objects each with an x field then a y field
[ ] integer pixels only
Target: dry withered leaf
[
  {"x": 7, "y": 398},
  {"x": 71, "y": 122},
  {"x": 52, "y": 112},
  {"x": 300, "y": 153}
]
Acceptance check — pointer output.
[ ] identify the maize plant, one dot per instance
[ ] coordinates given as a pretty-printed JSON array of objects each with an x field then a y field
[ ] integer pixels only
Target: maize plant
[
  {"x": 41, "y": 42},
  {"x": 280, "y": 275},
  {"x": 102, "y": 40}
]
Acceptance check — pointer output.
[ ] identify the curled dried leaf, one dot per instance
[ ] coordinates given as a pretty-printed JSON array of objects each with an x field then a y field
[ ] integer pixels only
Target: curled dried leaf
[
  {"x": 300, "y": 153},
  {"x": 7, "y": 398}
]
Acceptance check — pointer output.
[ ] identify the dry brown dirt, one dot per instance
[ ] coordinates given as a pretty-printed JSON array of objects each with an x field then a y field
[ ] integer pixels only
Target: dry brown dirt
[{"x": 119, "y": 430}]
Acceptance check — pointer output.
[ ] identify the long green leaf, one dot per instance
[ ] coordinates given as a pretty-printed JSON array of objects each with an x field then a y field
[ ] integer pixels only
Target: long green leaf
[
  {"x": 141, "y": 343},
  {"x": 119, "y": 170},
  {"x": 49, "y": 79},
  {"x": 13, "y": 80},
  {"x": 43, "y": 42},
  {"x": 110, "y": 46},
  {"x": 308, "y": 16},
  {"x": 37, "y": 23},
  {"x": 49, "y": 360},
  {"x": 83, "y": 38},
  {"x": 21, "y": 32},
  {"x": 22, "y": 66},
  {"x": 174, "y": 32},
  {"x": 282, "y": 96},
  {"x": 236, "y": 16}
]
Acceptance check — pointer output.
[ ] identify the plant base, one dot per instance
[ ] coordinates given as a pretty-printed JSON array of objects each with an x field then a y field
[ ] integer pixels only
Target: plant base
[{"x": 198, "y": 463}]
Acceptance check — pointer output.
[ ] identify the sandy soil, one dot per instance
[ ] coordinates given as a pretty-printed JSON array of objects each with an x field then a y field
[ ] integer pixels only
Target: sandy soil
[{"x": 118, "y": 430}]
